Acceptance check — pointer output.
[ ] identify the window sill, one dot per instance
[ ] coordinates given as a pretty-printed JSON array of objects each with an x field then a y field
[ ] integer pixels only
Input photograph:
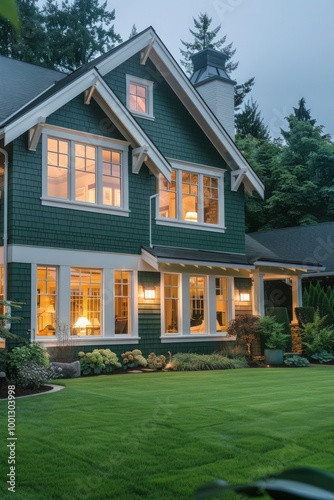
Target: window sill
[
  {"x": 51, "y": 342},
  {"x": 142, "y": 115},
  {"x": 191, "y": 225},
  {"x": 196, "y": 338},
  {"x": 86, "y": 207}
]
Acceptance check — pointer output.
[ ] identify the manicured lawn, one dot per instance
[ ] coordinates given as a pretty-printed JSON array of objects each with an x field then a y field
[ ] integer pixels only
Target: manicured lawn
[{"x": 160, "y": 435}]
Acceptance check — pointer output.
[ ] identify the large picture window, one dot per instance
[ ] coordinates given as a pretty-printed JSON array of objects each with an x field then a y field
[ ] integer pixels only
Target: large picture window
[
  {"x": 85, "y": 172},
  {"x": 85, "y": 302},
  {"x": 171, "y": 294},
  {"x": 85, "y": 311},
  {"x": 195, "y": 305},
  {"x": 122, "y": 302},
  {"x": 46, "y": 294},
  {"x": 192, "y": 198}
]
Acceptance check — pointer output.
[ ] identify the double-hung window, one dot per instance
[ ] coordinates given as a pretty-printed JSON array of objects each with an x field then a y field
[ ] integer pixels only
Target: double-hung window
[
  {"x": 85, "y": 172},
  {"x": 192, "y": 198}
]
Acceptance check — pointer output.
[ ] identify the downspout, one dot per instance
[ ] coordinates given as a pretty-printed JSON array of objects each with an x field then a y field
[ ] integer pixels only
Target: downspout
[
  {"x": 5, "y": 223},
  {"x": 151, "y": 198}
]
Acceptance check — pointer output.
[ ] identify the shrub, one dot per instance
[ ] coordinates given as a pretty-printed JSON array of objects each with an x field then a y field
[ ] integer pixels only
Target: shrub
[
  {"x": 282, "y": 317},
  {"x": 156, "y": 362},
  {"x": 31, "y": 375},
  {"x": 297, "y": 361},
  {"x": 98, "y": 361},
  {"x": 31, "y": 353},
  {"x": 304, "y": 315},
  {"x": 192, "y": 361},
  {"x": 244, "y": 327},
  {"x": 272, "y": 333},
  {"x": 131, "y": 359},
  {"x": 323, "y": 356},
  {"x": 317, "y": 337}
]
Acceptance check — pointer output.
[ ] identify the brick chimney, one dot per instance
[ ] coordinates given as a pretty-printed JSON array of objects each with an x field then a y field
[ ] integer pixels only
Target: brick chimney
[{"x": 215, "y": 86}]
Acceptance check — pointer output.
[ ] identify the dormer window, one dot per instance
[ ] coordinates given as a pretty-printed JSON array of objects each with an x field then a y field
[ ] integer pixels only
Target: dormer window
[{"x": 139, "y": 96}]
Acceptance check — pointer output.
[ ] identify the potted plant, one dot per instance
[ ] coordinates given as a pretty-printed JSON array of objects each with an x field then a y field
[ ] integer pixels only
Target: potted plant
[{"x": 274, "y": 338}]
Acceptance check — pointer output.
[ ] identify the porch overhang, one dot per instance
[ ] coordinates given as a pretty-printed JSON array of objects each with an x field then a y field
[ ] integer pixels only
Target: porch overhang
[
  {"x": 290, "y": 267},
  {"x": 163, "y": 258}
]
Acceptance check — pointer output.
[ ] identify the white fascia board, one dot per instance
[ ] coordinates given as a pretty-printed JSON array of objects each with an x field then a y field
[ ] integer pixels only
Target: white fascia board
[
  {"x": 202, "y": 114},
  {"x": 284, "y": 265},
  {"x": 121, "y": 113},
  {"x": 155, "y": 261},
  {"x": 46, "y": 108},
  {"x": 131, "y": 48}
]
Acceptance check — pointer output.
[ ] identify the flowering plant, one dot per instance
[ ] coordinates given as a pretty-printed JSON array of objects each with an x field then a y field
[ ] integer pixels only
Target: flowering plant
[
  {"x": 98, "y": 361},
  {"x": 131, "y": 359},
  {"x": 156, "y": 362}
]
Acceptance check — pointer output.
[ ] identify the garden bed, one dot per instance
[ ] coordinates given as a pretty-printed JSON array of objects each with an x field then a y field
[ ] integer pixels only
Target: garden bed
[{"x": 19, "y": 391}]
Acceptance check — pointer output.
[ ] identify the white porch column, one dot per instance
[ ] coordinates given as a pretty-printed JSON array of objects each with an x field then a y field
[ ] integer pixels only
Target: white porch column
[
  {"x": 258, "y": 293},
  {"x": 297, "y": 297}
]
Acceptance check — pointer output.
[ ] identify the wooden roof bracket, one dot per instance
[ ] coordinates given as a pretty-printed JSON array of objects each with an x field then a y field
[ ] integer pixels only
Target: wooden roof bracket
[{"x": 35, "y": 134}]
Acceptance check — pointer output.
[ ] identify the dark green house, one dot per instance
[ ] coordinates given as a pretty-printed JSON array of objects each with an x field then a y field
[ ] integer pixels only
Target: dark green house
[{"x": 123, "y": 202}]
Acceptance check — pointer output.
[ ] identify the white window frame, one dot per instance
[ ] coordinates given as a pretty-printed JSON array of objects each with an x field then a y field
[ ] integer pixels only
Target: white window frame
[
  {"x": 149, "y": 96},
  {"x": 107, "y": 327},
  {"x": 99, "y": 142},
  {"x": 184, "y": 334},
  {"x": 201, "y": 171}
]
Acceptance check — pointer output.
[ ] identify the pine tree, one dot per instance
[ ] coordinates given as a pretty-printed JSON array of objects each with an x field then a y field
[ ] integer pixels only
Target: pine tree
[
  {"x": 62, "y": 36},
  {"x": 205, "y": 39},
  {"x": 250, "y": 124},
  {"x": 77, "y": 32},
  {"x": 133, "y": 31},
  {"x": 28, "y": 44}
]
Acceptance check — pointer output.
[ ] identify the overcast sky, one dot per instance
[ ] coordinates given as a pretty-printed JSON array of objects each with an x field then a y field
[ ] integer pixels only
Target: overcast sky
[{"x": 286, "y": 44}]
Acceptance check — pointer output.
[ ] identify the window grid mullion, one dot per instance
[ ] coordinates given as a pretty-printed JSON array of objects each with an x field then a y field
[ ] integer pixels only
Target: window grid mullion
[
  {"x": 72, "y": 171},
  {"x": 99, "y": 175},
  {"x": 200, "y": 199}
]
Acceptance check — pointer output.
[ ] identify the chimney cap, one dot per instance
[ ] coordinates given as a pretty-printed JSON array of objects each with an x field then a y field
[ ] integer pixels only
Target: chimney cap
[{"x": 209, "y": 64}]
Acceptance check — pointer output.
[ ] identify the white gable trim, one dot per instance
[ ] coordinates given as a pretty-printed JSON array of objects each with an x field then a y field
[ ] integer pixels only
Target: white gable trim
[
  {"x": 110, "y": 104},
  {"x": 197, "y": 107},
  {"x": 46, "y": 108}
]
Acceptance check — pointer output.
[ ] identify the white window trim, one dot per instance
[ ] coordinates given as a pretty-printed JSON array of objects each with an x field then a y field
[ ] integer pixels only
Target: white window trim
[
  {"x": 108, "y": 316},
  {"x": 200, "y": 170},
  {"x": 87, "y": 139},
  {"x": 149, "y": 87},
  {"x": 184, "y": 334}
]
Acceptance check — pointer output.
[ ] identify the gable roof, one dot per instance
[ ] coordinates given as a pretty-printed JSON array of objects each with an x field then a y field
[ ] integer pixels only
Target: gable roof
[
  {"x": 313, "y": 244},
  {"x": 22, "y": 82},
  {"x": 152, "y": 47}
]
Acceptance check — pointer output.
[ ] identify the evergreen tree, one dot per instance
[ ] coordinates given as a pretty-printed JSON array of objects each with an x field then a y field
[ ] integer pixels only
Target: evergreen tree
[
  {"x": 250, "y": 124},
  {"x": 77, "y": 32},
  {"x": 299, "y": 180},
  {"x": 205, "y": 39},
  {"x": 60, "y": 36},
  {"x": 133, "y": 31},
  {"x": 28, "y": 44},
  {"x": 9, "y": 11}
]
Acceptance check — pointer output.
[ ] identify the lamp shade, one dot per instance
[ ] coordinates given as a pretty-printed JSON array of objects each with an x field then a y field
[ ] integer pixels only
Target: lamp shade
[
  {"x": 191, "y": 216},
  {"x": 82, "y": 322}
]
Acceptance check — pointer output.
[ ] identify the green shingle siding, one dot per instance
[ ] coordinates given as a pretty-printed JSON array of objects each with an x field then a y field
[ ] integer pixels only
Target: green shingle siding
[
  {"x": 19, "y": 290},
  {"x": 175, "y": 133}
]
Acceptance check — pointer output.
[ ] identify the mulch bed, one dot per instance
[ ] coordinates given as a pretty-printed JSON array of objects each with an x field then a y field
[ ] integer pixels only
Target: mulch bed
[{"x": 21, "y": 392}]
